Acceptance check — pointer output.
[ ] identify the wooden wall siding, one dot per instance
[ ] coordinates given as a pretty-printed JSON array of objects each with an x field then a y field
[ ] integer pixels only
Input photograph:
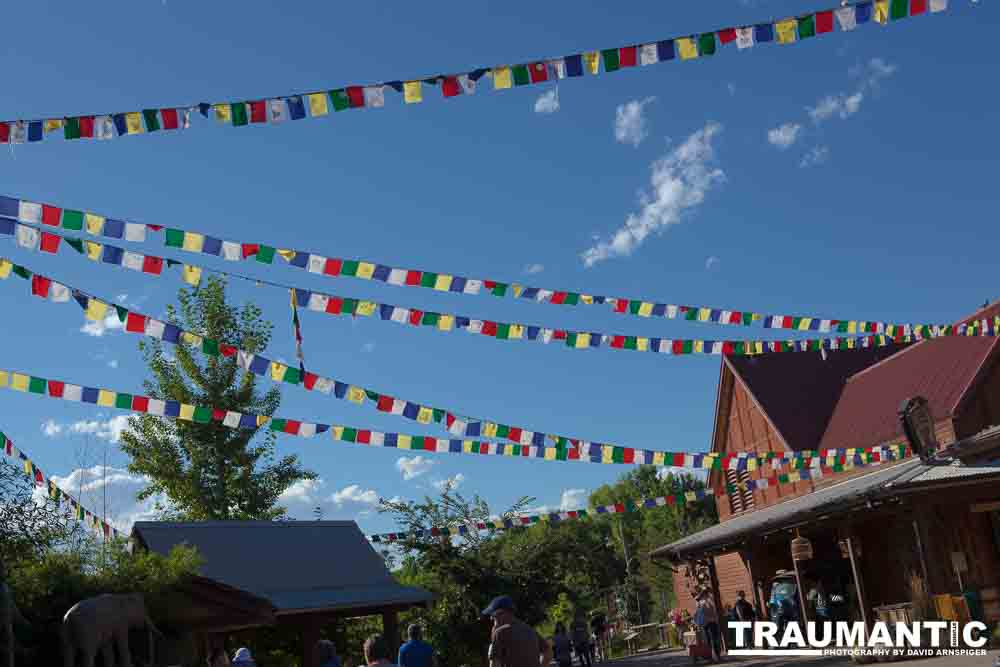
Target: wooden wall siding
[
  {"x": 953, "y": 527},
  {"x": 681, "y": 595},
  {"x": 983, "y": 409},
  {"x": 733, "y": 577}
]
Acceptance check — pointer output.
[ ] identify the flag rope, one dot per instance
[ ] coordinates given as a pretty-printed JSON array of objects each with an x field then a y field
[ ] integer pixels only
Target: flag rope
[{"x": 294, "y": 106}]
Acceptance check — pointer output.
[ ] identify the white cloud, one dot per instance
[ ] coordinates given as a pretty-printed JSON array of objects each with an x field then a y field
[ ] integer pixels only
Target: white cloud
[
  {"x": 354, "y": 495},
  {"x": 712, "y": 263},
  {"x": 413, "y": 466},
  {"x": 100, "y": 327},
  {"x": 631, "y": 126},
  {"x": 368, "y": 347},
  {"x": 452, "y": 482},
  {"x": 113, "y": 363},
  {"x": 784, "y": 135},
  {"x": 122, "y": 298},
  {"x": 680, "y": 181},
  {"x": 109, "y": 489},
  {"x": 816, "y": 155},
  {"x": 548, "y": 102},
  {"x": 302, "y": 491},
  {"x": 534, "y": 268},
  {"x": 110, "y": 429},
  {"x": 846, "y": 104},
  {"x": 51, "y": 429},
  {"x": 573, "y": 499}
]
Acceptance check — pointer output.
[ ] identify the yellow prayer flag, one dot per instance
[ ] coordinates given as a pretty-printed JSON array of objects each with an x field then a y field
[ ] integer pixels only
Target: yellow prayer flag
[
  {"x": 223, "y": 113},
  {"x": 690, "y": 496},
  {"x": 704, "y": 314},
  {"x": 4, "y": 378},
  {"x": 192, "y": 339},
  {"x": 642, "y": 344},
  {"x": 5, "y": 267},
  {"x": 852, "y": 327},
  {"x": 607, "y": 454},
  {"x": 53, "y": 124},
  {"x": 687, "y": 48},
  {"x": 105, "y": 398},
  {"x": 20, "y": 382},
  {"x": 785, "y": 30},
  {"x": 94, "y": 223},
  {"x": 645, "y": 309},
  {"x": 882, "y": 11},
  {"x": 412, "y": 93},
  {"x": 517, "y": 289},
  {"x": 698, "y": 346},
  {"x": 192, "y": 275},
  {"x": 356, "y": 394},
  {"x": 424, "y": 415},
  {"x": 278, "y": 371},
  {"x": 502, "y": 78},
  {"x": 318, "y": 105},
  {"x": 365, "y": 270},
  {"x": 446, "y": 322},
  {"x": 262, "y": 419},
  {"x": 587, "y": 299},
  {"x": 94, "y": 251},
  {"x": 794, "y": 476},
  {"x": 759, "y": 347},
  {"x": 365, "y": 308},
  {"x": 193, "y": 242},
  {"x": 133, "y": 123},
  {"x": 804, "y": 323},
  {"x": 337, "y": 432},
  {"x": 29, "y": 467},
  {"x": 550, "y": 453},
  {"x": 403, "y": 441},
  {"x": 187, "y": 412},
  {"x": 442, "y": 283},
  {"x": 592, "y": 62},
  {"x": 96, "y": 310},
  {"x": 489, "y": 430},
  {"x": 751, "y": 464},
  {"x": 582, "y": 340},
  {"x": 287, "y": 255},
  {"x": 658, "y": 458},
  {"x": 466, "y": 446},
  {"x": 516, "y": 332}
]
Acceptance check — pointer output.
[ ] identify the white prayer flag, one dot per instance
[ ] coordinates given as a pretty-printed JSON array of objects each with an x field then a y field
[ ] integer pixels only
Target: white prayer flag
[
  {"x": 307, "y": 429},
  {"x": 374, "y": 96},
  {"x": 317, "y": 263},
  {"x": 104, "y": 128},
  {"x": 72, "y": 392},
  {"x": 135, "y": 232},
  {"x": 397, "y": 277},
  {"x": 185, "y": 118},
  {"x": 544, "y": 295},
  {"x": 547, "y": 336},
  {"x": 154, "y": 328},
  {"x": 400, "y": 315},
  {"x": 29, "y": 212},
  {"x": 58, "y": 293},
  {"x": 231, "y": 251},
  {"x": 324, "y": 385},
  {"x": 377, "y": 439},
  {"x": 156, "y": 407},
  {"x": 278, "y": 110},
  {"x": 744, "y": 37},
  {"x": 397, "y": 406},
  {"x": 27, "y": 237},
  {"x": 939, "y": 5},
  {"x": 232, "y": 419},
  {"x": 557, "y": 68},
  {"x": 244, "y": 359},
  {"x": 467, "y": 83},
  {"x": 132, "y": 260},
  {"x": 475, "y": 326},
  {"x": 847, "y": 18},
  {"x": 671, "y": 311},
  {"x": 19, "y": 133},
  {"x": 472, "y": 286},
  {"x": 318, "y": 302},
  {"x": 648, "y": 54}
]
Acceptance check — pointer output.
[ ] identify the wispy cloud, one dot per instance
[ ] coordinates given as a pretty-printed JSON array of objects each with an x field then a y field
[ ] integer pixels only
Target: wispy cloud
[
  {"x": 303, "y": 491},
  {"x": 784, "y": 136},
  {"x": 816, "y": 155},
  {"x": 532, "y": 269},
  {"x": 450, "y": 483},
  {"x": 413, "y": 466},
  {"x": 548, "y": 102},
  {"x": 98, "y": 328},
  {"x": 679, "y": 183},
  {"x": 115, "y": 489},
  {"x": 712, "y": 263},
  {"x": 354, "y": 495},
  {"x": 109, "y": 429},
  {"x": 51, "y": 429},
  {"x": 631, "y": 126},
  {"x": 573, "y": 499},
  {"x": 368, "y": 347}
]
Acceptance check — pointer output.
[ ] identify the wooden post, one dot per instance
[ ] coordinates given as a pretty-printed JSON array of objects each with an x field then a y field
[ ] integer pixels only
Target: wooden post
[
  {"x": 714, "y": 578},
  {"x": 802, "y": 595},
  {"x": 920, "y": 553},
  {"x": 390, "y": 630},
  {"x": 759, "y": 605},
  {"x": 857, "y": 583},
  {"x": 310, "y": 637}
]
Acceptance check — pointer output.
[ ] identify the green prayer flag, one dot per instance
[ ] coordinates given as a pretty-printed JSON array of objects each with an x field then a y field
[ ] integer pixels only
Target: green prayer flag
[
  {"x": 515, "y": 450},
  {"x": 175, "y": 238},
  {"x": 292, "y": 375},
  {"x": 349, "y": 267},
  {"x": 610, "y": 58},
  {"x": 428, "y": 279},
  {"x": 499, "y": 289},
  {"x": 438, "y": 415},
  {"x": 340, "y": 99},
  {"x": 899, "y": 9},
  {"x": 430, "y": 319},
  {"x": 210, "y": 347},
  {"x": 690, "y": 314},
  {"x": 570, "y": 339},
  {"x": 503, "y": 430},
  {"x": 618, "y": 454},
  {"x": 350, "y": 434},
  {"x": 631, "y": 343},
  {"x": 372, "y": 395},
  {"x": 687, "y": 347},
  {"x": 239, "y": 114},
  {"x": 37, "y": 385},
  {"x": 739, "y": 348},
  {"x": 278, "y": 425},
  {"x": 503, "y": 331},
  {"x": 72, "y": 220},
  {"x": 349, "y": 306},
  {"x": 783, "y": 478},
  {"x": 153, "y": 119},
  {"x": 633, "y": 307},
  {"x": 123, "y": 401},
  {"x": 122, "y": 313},
  {"x": 572, "y": 299},
  {"x": 561, "y": 453},
  {"x": 22, "y": 272},
  {"x": 521, "y": 76},
  {"x": 265, "y": 255},
  {"x": 807, "y": 26},
  {"x": 75, "y": 244},
  {"x": 71, "y": 128},
  {"x": 747, "y": 319},
  {"x": 706, "y": 44}
]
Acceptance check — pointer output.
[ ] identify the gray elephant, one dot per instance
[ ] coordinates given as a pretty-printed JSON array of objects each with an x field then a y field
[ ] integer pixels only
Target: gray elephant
[{"x": 103, "y": 623}]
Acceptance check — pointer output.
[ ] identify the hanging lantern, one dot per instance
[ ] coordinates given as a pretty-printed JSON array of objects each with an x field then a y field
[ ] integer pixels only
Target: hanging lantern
[{"x": 802, "y": 549}]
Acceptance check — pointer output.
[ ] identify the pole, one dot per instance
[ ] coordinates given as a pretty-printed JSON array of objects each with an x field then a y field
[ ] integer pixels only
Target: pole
[
  {"x": 857, "y": 581},
  {"x": 920, "y": 552},
  {"x": 802, "y": 598}
]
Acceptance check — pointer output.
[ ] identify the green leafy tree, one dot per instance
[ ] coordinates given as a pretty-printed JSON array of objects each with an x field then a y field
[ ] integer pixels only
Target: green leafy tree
[
  {"x": 29, "y": 528},
  {"x": 208, "y": 471}
]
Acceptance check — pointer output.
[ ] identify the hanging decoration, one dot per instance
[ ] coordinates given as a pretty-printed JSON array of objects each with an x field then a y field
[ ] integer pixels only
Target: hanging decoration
[
  {"x": 297, "y": 106},
  {"x": 90, "y": 519},
  {"x": 591, "y": 453},
  {"x": 49, "y": 217},
  {"x": 297, "y": 330}
]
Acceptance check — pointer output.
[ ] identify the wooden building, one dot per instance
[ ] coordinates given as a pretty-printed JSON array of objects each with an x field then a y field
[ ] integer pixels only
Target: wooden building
[
  {"x": 896, "y": 511},
  {"x": 304, "y": 574}
]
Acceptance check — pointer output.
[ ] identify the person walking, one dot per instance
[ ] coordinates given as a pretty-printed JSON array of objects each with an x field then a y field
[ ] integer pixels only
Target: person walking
[
  {"x": 562, "y": 647},
  {"x": 581, "y": 641},
  {"x": 327, "y": 652},
  {"x": 514, "y": 643},
  {"x": 376, "y": 651},
  {"x": 597, "y": 626},
  {"x": 744, "y": 610},
  {"x": 243, "y": 658},
  {"x": 415, "y": 652},
  {"x": 707, "y": 616}
]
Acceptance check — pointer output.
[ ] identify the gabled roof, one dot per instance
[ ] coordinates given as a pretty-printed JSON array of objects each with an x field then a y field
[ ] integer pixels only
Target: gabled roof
[
  {"x": 299, "y": 566},
  {"x": 798, "y": 391}
]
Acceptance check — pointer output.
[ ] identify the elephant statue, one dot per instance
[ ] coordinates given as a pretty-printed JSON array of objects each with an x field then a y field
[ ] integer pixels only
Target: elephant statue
[{"x": 103, "y": 623}]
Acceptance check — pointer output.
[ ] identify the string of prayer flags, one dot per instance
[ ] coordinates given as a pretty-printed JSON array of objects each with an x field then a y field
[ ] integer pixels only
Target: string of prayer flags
[
  {"x": 298, "y": 333},
  {"x": 50, "y": 217},
  {"x": 678, "y": 499},
  {"x": 591, "y": 453},
  {"x": 274, "y": 110},
  {"x": 445, "y": 418},
  {"x": 55, "y": 493}
]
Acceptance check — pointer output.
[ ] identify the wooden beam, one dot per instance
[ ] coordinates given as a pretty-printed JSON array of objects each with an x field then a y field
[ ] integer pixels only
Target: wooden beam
[
  {"x": 390, "y": 629},
  {"x": 857, "y": 583},
  {"x": 717, "y": 598},
  {"x": 310, "y": 639}
]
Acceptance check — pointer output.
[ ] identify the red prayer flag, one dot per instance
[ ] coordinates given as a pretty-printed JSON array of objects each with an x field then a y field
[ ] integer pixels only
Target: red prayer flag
[
  {"x": 153, "y": 265},
  {"x": 489, "y": 328},
  {"x": 218, "y": 415},
  {"x": 40, "y": 285},
  {"x": 140, "y": 403},
  {"x": 250, "y": 249},
  {"x": 51, "y": 215},
  {"x": 735, "y": 317},
  {"x": 50, "y": 243},
  {"x": 334, "y": 305},
  {"x": 824, "y": 21},
  {"x": 169, "y": 118},
  {"x": 450, "y": 87},
  {"x": 559, "y": 334},
  {"x": 4, "y": 133},
  {"x": 310, "y": 380},
  {"x": 621, "y": 305},
  {"x": 384, "y": 403},
  {"x": 356, "y": 96},
  {"x": 628, "y": 455},
  {"x": 514, "y": 434},
  {"x": 87, "y": 127},
  {"x": 558, "y": 297},
  {"x": 626, "y": 56},
  {"x": 677, "y": 347},
  {"x": 135, "y": 323},
  {"x": 56, "y": 388},
  {"x": 258, "y": 114},
  {"x": 484, "y": 448},
  {"x": 416, "y": 316},
  {"x": 539, "y": 72},
  {"x": 227, "y": 350},
  {"x": 292, "y": 426},
  {"x": 489, "y": 284},
  {"x": 332, "y": 267},
  {"x": 619, "y": 508},
  {"x": 413, "y": 278},
  {"x": 727, "y": 35},
  {"x": 728, "y": 347},
  {"x": 430, "y": 444},
  {"x": 917, "y": 7},
  {"x": 618, "y": 342}
]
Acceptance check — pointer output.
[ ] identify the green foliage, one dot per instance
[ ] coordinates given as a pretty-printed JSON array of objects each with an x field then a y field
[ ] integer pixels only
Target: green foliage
[
  {"x": 208, "y": 471},
  {"x": 28, "y": 528}
]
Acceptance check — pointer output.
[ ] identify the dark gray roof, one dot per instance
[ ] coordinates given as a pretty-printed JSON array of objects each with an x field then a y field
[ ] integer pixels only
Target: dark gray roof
[
  {"x": 297, "y": 565},
  {"x": 842, "y": 496}
]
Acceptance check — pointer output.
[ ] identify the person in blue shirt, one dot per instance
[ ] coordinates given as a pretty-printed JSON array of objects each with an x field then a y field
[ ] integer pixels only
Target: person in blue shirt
[{"x": 415, "y": 652}]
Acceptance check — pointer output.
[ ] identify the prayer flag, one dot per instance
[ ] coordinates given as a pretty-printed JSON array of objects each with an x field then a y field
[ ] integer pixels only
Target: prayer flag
[
  {"x": 786, "y": 31},
  {"x": 317, "y": 104},
  {"x": 411, "y": 92},
  {"x": 502, "y": 78},
  {"x": 687, "y": 48}
]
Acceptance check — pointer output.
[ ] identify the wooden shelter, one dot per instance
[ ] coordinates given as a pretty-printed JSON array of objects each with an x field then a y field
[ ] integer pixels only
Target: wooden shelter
[{"x": 304, "y": 574}]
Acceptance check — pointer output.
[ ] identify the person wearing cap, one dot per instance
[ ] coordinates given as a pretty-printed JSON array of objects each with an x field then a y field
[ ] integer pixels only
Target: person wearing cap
[
  {"x": 415, "y": 652},
  {"x": 513, "y": 642},
  {"x": 243, "y": 658}
]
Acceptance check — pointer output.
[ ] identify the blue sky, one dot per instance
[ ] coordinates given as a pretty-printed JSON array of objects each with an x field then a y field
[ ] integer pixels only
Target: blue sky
[{"x": 849, "y": 176}]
